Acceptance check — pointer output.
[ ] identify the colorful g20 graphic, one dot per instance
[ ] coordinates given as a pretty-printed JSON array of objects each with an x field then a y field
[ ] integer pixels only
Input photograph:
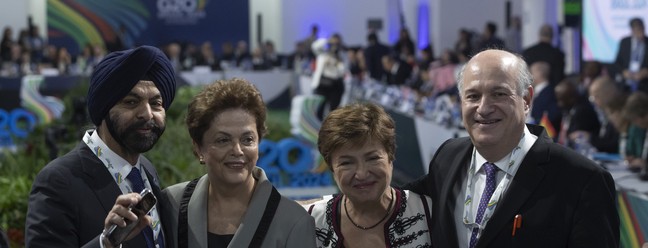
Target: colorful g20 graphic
[
  {"x": 16, "y": 123},
  {"x": 289, "y": 163},
  {"x": 35, "y": 109}
]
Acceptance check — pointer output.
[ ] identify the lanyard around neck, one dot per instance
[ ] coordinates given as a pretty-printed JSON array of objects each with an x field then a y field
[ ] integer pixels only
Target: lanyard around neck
[{"x": 469, "y": 217}]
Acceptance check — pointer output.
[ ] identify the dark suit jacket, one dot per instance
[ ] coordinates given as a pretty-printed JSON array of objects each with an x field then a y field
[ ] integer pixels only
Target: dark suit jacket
[
  {"x": 623, "y": 58},
  {"x": 401, "y": 76},
  {"x": 607, "y": 139},
  {"x": 565, "y": 199},
  {"x": 546, "y": 102},
  {"x": 583, "y": 118},
  {"x": 373, "y": 60},
  {"x": 547, "y": 53},
  {"x": 71, "y": 197}
]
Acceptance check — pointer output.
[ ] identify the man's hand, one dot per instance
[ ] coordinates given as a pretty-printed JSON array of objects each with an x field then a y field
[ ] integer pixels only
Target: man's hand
[
  {"x": 636, "y": 163},
  {"x": 121, "y": 211}
]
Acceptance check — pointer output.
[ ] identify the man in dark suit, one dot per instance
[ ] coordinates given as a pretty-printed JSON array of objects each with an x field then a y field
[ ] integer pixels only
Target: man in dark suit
[
  {"x": 603, "y": 94},
  {"x": 78, "y": 195},
  {"x": 545, "y": 51},
  {"x": 373, "y": 56},
  {"x": 544, "y": 98},
  {"x": 579, "y": 120},
  {"x": 489, "y": 39},
  {"x": 632, "y": 57},
  {"x": 508, "y": 184},
  {"x": 397, "y": 72}
]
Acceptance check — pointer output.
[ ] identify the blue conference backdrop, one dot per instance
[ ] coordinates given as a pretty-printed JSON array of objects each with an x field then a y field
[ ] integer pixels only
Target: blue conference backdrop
[{"x": 76, "y": 24}]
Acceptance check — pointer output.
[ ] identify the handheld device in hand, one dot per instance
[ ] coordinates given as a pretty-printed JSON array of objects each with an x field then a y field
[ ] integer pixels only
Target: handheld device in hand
[{"x": 116, "y": 234}]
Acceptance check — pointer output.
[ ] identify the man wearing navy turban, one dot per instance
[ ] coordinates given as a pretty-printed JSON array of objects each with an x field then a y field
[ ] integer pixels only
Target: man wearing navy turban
[{"x": 78, "y": 196}]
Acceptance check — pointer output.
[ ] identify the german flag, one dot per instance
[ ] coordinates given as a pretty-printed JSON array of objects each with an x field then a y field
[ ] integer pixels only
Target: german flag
[{"x": 551, "y": 131}]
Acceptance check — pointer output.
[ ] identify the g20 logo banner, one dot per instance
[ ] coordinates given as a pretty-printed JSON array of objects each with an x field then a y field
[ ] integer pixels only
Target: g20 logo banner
[
  {"x": 77, "y": 24},
  {"x": 289, "y": 163}
]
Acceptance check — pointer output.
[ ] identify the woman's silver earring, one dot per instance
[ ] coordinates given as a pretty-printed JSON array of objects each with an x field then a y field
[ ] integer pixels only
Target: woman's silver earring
[{"x": 201, "y": 159}]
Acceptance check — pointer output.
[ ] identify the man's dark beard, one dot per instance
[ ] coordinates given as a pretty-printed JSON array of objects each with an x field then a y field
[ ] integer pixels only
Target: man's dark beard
[{"x": 130, "y": 139}]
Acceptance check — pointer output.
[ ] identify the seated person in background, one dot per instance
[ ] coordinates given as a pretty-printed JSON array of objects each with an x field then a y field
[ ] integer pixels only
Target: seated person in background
[
  {"x": 396, "y": 72},
  {"x": 489, "y": 38},
  {"x": 601, "y": 92},
  {"x": 427, "y": 57},
  {"x": 591, "y": 71},
  {"x": 544, "y": 98},
  {"x": 270, "y": 54},
  {"x": 63, "y": 61},
  {"x": 578, "y": 114},
  {"x": 206, "y": 57},
  {"x": 48, "y": 57},
  {"x": 635, "y": 110},
  {"x": 631, "y": 137},
  {"x": 234, "y": 204},
  {"x": 242, "y": 55},
  {"x": 358, "y": 143},
  {"x": 26, "y": 66},
  {"x": 259, "y": 62},
  {"x": 227, "y": 58},
  {"x": 442, "y": 72},
  {"x": 634, "y": 147}
]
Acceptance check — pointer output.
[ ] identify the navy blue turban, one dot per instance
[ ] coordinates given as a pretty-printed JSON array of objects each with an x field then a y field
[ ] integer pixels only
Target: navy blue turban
[{"x": 116, "y": 75}]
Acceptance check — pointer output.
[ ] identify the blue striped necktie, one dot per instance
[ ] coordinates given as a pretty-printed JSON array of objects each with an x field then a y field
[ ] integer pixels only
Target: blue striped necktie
[
  {"x": 489, "y": 188},
  {"x": 135, "y": 177}
]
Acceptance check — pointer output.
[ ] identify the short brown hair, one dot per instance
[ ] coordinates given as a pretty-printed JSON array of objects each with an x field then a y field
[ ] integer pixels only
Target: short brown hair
[
  {"x": 220, "y": 96},
  {"x": 635, "y": 106},
  {"x": 356, "y": 124}
]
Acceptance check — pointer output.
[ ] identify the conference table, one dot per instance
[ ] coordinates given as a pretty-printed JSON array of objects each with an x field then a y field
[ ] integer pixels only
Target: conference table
[{"x": 632, "y": 203}]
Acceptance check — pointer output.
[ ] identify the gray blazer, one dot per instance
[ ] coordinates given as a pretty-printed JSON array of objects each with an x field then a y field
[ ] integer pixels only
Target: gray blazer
[{"x": 291, "y": 226}]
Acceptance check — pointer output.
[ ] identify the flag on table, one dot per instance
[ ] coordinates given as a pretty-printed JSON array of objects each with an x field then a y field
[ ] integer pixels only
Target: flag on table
[{"x": 551, "y": 131}]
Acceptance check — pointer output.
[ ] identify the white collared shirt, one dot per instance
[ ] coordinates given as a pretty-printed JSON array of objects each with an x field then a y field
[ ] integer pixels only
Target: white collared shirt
[
  {"x": 119, "y": 168},
  {"x": 526, "y": 142}
]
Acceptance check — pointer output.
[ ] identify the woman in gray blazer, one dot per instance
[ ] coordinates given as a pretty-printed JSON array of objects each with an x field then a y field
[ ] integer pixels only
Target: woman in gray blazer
[{"x": 234, "y": 204}]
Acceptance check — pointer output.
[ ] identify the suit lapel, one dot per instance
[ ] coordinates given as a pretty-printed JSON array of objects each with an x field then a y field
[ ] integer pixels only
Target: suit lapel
[
  {"x": 197, "y": 213},
  {"x": 254, "y": 213},
  {"x": 98, "y": 178},
  {"x": 448, "y": 199},
  {"x": 152, "y": 175},
  {"x": 526, "y": 180}
]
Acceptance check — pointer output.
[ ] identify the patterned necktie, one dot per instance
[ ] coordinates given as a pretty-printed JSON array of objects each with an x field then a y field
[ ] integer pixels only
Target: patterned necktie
[
  {"x": 489, "y": 188},
  {"x": 135, "y": 177}
]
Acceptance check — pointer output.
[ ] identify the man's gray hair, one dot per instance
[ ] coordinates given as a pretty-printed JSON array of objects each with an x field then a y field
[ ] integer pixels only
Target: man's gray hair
[{"x": 524, "y": 77}]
